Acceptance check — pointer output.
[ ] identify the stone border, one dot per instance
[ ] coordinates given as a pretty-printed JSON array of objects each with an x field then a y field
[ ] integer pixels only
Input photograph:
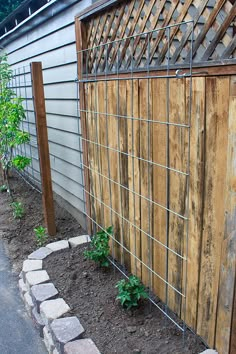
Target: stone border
[{"x": 61, "y": 335}]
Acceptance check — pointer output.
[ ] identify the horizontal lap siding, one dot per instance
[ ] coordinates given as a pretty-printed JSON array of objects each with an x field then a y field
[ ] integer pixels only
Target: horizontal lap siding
[{"x": 53, "y": 43}]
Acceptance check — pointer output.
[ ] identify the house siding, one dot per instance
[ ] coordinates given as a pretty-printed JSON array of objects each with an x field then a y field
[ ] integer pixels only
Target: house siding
[{"x": 53, "y": 43}]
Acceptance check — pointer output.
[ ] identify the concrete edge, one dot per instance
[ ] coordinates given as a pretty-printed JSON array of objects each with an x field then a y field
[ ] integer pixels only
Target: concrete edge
[{"x": 42, "y": 319}]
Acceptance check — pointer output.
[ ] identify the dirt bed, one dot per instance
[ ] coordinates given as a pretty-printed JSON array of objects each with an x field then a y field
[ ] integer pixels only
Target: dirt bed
[
  {"x": 19, "y": 234},
  {"x": 89, "y": 290}
]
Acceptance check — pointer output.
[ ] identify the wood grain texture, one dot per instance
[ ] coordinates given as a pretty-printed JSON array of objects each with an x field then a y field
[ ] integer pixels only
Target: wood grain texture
[
  {"x": 160, "y": 254},
  {"x": 134, "y": 175},
  {"x": 225, "y": 330},
  {"x": 196, "y": 191},
  {"x": 122, "y": 141},
  {"x": 106, "y": 199},
  {"x": 178, "y": 150},
  {"x": 80, "y": 34},
  {"x": 42, "y": 136},
  {"x": 217, "y": 103},
  {"x": 145, "y": 113},
  {"x": 114, "y": 163}
]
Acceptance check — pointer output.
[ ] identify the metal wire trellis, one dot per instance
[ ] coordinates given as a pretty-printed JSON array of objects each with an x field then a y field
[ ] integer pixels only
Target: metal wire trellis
[
  {"x": 98, "y": 147},
  {"x": 21, "y": 84}
]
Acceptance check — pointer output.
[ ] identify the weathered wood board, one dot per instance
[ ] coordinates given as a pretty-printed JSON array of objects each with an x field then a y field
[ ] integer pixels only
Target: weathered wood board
[{"x": 141, "y": 180}]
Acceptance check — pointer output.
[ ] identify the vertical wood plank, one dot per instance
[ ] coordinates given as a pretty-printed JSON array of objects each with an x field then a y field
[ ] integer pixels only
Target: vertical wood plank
[
  {"x": 217, "y": 102},
  {"x": 80, "y": 34},
  {"x": 92, "y": 193},
  {"x": 134, "y": 175},
  {"x": 101, "y": 91},
  {"x": 196, "y": 189},
  {"x": 123, "y": 171},
  {"x": 178, "y": 147},
  {"x": 42, "y": 136},
  {"x": 228, "y": 253},
  {"x": 145, "y": 178},
  {"x": 95, "y": 159},
  {"x": 159, "y": 113},
  {"x": 114, "y": 163}
]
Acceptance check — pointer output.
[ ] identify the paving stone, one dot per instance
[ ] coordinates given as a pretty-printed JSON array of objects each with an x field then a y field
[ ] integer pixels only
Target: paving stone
[
  {"x": 21, "y": 275},
  {"x": 22, "y": 287},
  {"x": 48, "y": 340},
  {"x": 29, "y": 305},
  {"x": 57, "y": 246},
  {"x": 42, "y": 292},
  {"x": 30, "y": 265},
  {"x": 41, "y": 253},
  {"x": 52, "y": 309},
  {"x": 64, "y": 330},
  {"x": 79, "y": 240},
  {"x": 81, "y": 346},
  {"x": 36, "y": 277},
  {"x": 38, "y": 321},
  {"x": 55, "y": 351},
  {"x": 209, "y": 351}
]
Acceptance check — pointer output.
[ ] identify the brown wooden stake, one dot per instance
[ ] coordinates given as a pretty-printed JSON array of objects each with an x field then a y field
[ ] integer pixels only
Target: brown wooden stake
[
  {"x": 42, "y": 136},
  {"x": 80, "y": 33}
]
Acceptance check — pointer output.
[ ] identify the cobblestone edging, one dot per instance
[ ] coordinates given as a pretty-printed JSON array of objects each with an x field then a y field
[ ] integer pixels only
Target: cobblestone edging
[{"x": 61, "y": 335}]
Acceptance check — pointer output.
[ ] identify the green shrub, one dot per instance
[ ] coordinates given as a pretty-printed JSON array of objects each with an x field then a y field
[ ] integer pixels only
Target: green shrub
[
  {"x": 18, "y": 210},
  {"x": 41, "y": 235},
  {"x": 130, "y": 292},
  {"x": 100, "y": 247},
  {"x": 12, "y": 113}
]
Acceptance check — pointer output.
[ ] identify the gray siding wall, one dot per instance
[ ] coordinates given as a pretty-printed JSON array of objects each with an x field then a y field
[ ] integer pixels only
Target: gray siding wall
[{"x": 53, "y": 43}]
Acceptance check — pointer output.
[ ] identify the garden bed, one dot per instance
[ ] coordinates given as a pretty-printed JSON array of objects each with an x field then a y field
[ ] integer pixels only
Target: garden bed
[
  {"x": 89, "y": 290},
  {"x": 19, "y": 233}
]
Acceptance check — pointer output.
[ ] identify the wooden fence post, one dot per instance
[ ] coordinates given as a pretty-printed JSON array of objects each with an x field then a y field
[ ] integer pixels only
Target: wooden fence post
[
  {"x": 42, "y": 136},
  {"x": 80, "y": 33}
]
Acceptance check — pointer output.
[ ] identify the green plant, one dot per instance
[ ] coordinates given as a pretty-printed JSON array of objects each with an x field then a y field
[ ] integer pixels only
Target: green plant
[
  {"x": 130, "y": 292},
  {"x": 41, "y": 235},
  {"x": 12, "y": 114},
  {"x": 20, "y": 162},
  {"x": 3, "y": 188},
  {"x": 100, "y": 247},
  {"x": 18, "y": 210}
]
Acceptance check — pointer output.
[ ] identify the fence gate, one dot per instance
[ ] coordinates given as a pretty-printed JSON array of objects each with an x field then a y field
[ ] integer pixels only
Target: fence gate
[{"x": 136, "y": 136}]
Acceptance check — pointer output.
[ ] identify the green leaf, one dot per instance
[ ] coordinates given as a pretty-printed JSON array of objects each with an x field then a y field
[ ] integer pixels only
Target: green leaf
[{"x": 130, "y": 292}]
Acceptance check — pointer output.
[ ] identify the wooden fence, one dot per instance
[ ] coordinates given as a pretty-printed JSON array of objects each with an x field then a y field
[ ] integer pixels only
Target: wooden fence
[{"x": 126, "y": 152}]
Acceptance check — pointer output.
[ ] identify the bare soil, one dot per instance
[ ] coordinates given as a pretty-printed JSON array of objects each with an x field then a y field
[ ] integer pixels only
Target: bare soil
[
  {"x": 89, "y": 290},
  {"x": 19, "y": 233}
]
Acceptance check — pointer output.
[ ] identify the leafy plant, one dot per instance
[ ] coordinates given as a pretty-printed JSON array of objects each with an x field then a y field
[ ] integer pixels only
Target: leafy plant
[
  {"x": 20, "y": 162},
  {"x": 130, "y": 292},
  {"x": 41, "y": 235},
  {"x": 3, "y": 188},
  {"x": 11, "y": 115},
  {"x": 100, "y": 247},
  {"x": 18, "y": 210}
]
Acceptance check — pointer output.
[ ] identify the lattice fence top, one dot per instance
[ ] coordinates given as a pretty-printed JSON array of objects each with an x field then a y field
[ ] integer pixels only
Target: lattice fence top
[{"x": 214, "y": 36}]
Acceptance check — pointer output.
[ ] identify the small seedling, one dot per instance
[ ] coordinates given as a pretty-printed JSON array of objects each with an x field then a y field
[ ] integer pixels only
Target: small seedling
[
  {"x": 130, "y": 292},
  {"x": 3, "y": 188},
  {"x": 18, "y": 210},
  {"x": 100, "y": 247},
  {"x": 41, "y": 235}
]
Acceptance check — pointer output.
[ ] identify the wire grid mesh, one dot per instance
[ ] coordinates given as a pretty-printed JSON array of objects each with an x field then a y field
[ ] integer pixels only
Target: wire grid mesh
[
  {"x": 127, "y": 173},
  {"x": 21, "y": 84}
]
